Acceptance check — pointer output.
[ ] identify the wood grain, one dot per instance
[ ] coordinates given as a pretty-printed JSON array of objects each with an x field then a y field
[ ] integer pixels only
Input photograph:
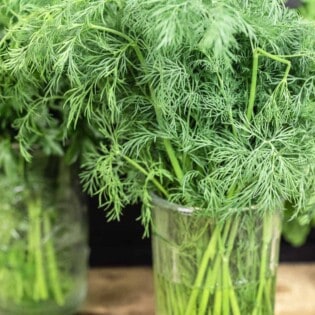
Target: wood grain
[
  {"x": 296, "y": 290},
  {"x": 129, "y": 291}
]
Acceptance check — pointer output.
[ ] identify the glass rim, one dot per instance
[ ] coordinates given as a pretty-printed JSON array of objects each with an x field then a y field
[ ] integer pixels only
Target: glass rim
[{"x": 156, "y": 200}]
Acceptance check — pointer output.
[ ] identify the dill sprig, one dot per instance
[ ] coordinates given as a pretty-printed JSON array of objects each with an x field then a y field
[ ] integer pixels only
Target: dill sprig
[{"x": 207, "y": 103}]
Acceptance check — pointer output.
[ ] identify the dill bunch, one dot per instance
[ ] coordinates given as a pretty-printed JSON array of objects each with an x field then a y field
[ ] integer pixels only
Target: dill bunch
[{"x": 207, "y": 103}]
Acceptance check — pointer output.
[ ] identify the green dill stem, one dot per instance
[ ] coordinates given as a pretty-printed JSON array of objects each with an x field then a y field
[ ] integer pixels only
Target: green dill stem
[
  {"x": 229, "y": 284},
  {"x": 111, "y": 31},
  {"x": 253, "y": 89},
  {"x": 273, "y": 57},
  {"x": 174, "y": 161},
  {"x": 208, "y": 255},
  {"x": 180, "y": 300},
  {"x": 253, "y": 86},
  {"x": 174, "y": 301},
  {"x": 214, "y": 272},
  {"x": 234, "y": 304},
  {"x": 168, "y": 146},
  {"x": 225, "y": 286},
  {"x": 279, "y": 59},
  {"x": 210, "y": 281},
  {"x": 267, "y": 226},
  {"x": 143, "y": 171},
  {"x": 30, "y": 244},
  {"x": 40, "y": 289},
  {"x": 268, "y": 294},
  {"x": 218, "y": 296},
  {"x": 51, "y": 262}
]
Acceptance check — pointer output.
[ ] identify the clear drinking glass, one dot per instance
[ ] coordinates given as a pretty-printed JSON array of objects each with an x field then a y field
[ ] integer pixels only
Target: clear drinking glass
[
  {"x": 43, "y": 241},
  {"x": 204, "y": 267}
]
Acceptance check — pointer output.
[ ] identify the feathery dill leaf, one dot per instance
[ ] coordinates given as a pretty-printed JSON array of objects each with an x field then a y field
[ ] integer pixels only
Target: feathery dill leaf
[{"x": 207, "y": 103}]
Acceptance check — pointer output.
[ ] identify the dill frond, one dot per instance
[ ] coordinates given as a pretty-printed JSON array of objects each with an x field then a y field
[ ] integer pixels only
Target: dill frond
[{"x": 209, "y": 103}]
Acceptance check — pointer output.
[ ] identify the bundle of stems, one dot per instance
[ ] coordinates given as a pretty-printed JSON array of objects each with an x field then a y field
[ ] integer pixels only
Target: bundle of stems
[
  {"x": 205, "y": 267},
  {"x": 33, "y": 268},
  {"x": 29, "y": 266}
]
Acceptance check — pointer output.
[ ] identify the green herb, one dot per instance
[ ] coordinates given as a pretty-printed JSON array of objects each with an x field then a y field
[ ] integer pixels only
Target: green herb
[
  {"x": 213, "y": 101},
  {"x": 207, "y": 103}
]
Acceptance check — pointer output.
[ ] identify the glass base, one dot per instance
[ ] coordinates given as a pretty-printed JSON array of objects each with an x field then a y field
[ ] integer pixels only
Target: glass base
[{"x": 71, "y": 306}]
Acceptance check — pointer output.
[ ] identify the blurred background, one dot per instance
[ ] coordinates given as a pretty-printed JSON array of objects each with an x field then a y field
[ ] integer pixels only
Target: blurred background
[{"x": 122, "y": 243}]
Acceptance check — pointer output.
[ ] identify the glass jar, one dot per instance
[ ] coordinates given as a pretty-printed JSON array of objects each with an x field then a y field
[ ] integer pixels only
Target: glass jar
[
  {"x": 204, "y": 267},
  {"x": 43, "y": 240}
]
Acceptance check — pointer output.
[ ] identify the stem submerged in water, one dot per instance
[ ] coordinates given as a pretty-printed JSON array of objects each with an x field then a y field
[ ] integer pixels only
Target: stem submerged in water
[
  {"x": 224, "y": 283},
  {"x": 52, "y": 265},
  {"x": 40, "y": 291},
  {"x": 31, "y": 272}
]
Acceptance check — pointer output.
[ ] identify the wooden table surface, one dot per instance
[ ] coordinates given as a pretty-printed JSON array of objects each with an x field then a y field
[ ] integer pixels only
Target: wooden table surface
[{"x": 129, "y": 291}]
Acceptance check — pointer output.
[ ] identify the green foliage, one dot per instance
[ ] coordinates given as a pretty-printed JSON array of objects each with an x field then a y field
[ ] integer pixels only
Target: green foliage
[
  {"x": 297, "y": 228},
  {"x": 173, "y": 98},
  {"x": 32, "y": 120}
]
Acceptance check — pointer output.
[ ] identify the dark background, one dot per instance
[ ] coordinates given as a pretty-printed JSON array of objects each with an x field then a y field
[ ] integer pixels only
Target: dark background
[{"x": 122, "y": 243}]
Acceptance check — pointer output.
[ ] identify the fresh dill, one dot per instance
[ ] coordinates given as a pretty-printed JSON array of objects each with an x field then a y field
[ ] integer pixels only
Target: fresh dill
[{"x": 207, "y": 103}]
